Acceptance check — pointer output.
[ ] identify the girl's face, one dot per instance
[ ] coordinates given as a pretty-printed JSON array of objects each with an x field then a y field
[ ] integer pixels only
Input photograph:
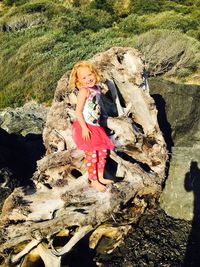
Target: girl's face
[{"x": 86, "y": 77}]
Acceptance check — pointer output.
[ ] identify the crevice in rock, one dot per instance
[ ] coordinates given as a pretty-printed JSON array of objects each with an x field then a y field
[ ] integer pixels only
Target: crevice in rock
[
  {"x": 32, "y": 260},
  {"x": 163, "y": 121},
  {"x": 126, "y": 157},
  {"x": 16, "y": 222},
  {"x": 120, "y": 58},
  {"x": 137, "y": 127},
  {"x": 121, "y": 99},
  {"x": 80, "y": 255},
  {"x": 1, "y": 259},
  {"x": 20, "y": 154},
  {"x": 83, "y": 211},
  {"x": 76, "y": 173},
  {"x": 48, "y": 185},
  {"x": 60, "y": 241},
  {"x": 110, "y": 171}
]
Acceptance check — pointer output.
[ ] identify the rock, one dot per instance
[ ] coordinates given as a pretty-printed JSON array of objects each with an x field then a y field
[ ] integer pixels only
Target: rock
[
  {"x": 24, "y": 120},
  {"x": 183, "y": 183},
  {"x": 20, "y": 145},
  {"x": 179, "y": 119},
  {"x": 155, "y": 240},
  {"x": 62, "y": 198},
  {"x": 7, "y": 184},
  {"x": 179, "y": 105}
]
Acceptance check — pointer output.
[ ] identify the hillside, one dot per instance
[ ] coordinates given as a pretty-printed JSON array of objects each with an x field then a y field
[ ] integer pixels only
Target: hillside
[{"x": 41, "y": 40}]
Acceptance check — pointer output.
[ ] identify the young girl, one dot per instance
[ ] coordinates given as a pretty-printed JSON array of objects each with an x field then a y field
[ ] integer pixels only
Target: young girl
[{"x": 86, "y": 131}]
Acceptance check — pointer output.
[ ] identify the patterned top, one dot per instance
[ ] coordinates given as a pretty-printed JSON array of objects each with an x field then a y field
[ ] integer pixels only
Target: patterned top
[{"x": 91, "y": 110}]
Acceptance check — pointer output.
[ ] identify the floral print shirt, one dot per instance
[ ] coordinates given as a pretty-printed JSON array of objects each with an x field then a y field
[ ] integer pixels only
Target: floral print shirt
[{"x": 91, "y": 110}]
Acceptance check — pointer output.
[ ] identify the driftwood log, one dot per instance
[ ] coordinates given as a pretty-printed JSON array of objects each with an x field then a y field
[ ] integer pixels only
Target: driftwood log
[{"x": 62, "y": 199}]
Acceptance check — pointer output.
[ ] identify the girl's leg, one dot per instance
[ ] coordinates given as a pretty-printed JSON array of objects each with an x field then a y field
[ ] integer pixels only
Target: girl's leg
[
  {"x": 91, "y": 166},
  {"x": 102, "y": 154}
]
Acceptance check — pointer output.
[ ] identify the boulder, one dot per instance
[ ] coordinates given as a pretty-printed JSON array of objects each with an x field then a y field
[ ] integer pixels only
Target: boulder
[
  {"x": 29, "y": 118},
  {"x": 180, "y": 198},
  {"x": 179, "y": 119},
  {"x": 21, "y": 145}
]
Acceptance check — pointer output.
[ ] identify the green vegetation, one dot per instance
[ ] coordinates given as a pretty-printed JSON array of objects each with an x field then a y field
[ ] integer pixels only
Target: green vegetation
[
  {"x": 169, "y": 52},
  {"x": 41, "y": 39},
  {"x": 164, "y": 20}
]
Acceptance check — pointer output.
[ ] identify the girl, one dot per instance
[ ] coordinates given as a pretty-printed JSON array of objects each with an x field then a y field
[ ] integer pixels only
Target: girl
[{"x": 86, "y": 131}]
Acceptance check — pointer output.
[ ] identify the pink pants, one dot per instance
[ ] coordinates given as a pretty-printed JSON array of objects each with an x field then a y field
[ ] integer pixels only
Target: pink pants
[{"x": 95, "y": 162}]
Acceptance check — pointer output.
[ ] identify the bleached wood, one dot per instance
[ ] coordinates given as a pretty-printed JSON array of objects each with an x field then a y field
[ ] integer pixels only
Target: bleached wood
[
  {"x": 62, "y": 196},
  {"x": 82, "y": 231},
  {"x": 16, "y": 258}
]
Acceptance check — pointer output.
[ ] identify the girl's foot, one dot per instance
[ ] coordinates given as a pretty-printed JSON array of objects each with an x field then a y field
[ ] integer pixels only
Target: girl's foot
[
  {"x": 98, "y": 186},
  {"x": 105, "y": 181}
]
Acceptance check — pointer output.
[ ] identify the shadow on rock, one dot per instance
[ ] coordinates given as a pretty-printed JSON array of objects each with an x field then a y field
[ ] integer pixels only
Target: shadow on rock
[
  {"x": 163, "y": 121},
  {"x": 192, "y": 183},
  {"x": 164, "y": 125},
  {"x": 18, "y": 156}
]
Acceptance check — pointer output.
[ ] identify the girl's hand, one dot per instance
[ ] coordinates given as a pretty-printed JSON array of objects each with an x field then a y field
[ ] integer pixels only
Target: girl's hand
[
  {"x": 86, "y": 133},
  {"x": 104, "y": 88}
]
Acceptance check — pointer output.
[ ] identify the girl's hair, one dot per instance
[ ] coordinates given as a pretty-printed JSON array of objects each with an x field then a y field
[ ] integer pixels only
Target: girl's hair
[{"x": 73, "y": 78}]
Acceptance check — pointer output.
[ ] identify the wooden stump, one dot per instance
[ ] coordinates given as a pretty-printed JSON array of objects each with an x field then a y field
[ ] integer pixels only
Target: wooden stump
[{"x": 62, "y": 198}]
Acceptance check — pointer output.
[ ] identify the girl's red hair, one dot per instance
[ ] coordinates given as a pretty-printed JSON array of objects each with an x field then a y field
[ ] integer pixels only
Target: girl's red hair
[{"x": 73, "y": 79}]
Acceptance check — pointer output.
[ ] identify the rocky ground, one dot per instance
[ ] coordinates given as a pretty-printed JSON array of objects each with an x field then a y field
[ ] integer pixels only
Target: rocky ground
[{"x": 156, "y": 240}]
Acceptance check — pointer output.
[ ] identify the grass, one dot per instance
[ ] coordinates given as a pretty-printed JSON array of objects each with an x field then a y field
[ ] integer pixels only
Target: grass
[
  {"x": 170, "y": 49},
  {"x": 32, "y": 68},
  {"x": 41, "y": 40}
]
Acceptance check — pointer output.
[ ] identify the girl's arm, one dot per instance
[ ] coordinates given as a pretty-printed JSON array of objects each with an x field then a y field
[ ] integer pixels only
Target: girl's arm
[{"x": 81, "y": 98}]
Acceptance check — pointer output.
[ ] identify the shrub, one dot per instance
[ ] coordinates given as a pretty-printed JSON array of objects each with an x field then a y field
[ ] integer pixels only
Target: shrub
[
  {"x": 30, "y": 14},
  {"x": 179, "y": 8},
  {"x": 35, "y": 7},
  {"x": 11, "y": 2},
  {"x": 78, "y": 19},
  {"x": 164, "y": 20},
  {"x": 194, "y": 34},
  {"x": 18, "y": 22},
  {"x": 67, "y": 22},
  {"x": 169, "y": 20},
  {"x": 120, "y": 8},
  {"x": 169, "y": 52},
  {"x": 141, "y": 7},
  {"x": 47, "y": 7},
  {"x": 131, "y": 24},
  {"x": 34, "y": 58},
  {"x": 33, "y": 61},
  {"x": 95, "y": 20},
  {"x": 103, "y": 5}
]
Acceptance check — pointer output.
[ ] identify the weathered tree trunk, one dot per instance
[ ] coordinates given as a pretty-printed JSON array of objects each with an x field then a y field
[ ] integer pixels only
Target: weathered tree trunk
[{"x": 62, "y": 197}]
